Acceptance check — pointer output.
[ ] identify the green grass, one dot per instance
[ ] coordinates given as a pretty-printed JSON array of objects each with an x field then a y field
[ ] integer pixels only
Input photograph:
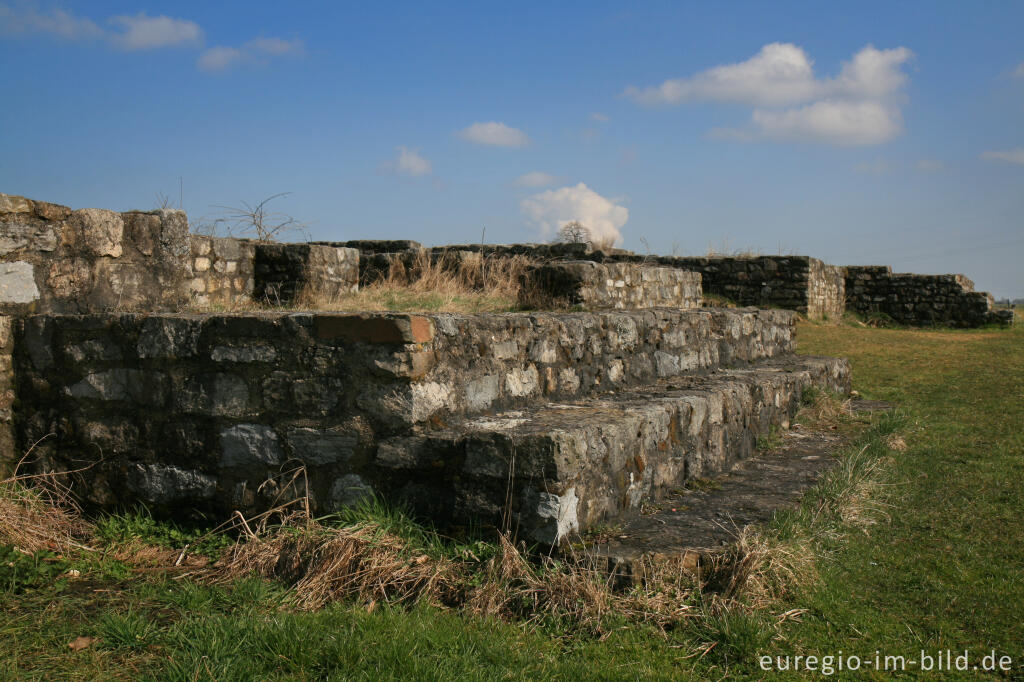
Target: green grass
[{"x": 931, "y": 558}]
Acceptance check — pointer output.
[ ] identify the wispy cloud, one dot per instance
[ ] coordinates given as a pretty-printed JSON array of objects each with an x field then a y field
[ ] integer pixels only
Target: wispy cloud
[
  {"x": 221, "y": 58},
  {"x": 536, "y": 179},
  {"x": 139, "y": 32},
  {"x": 599, "y": 117},
  {"x": 143, "y": 32},
  {"x": 859, "y": 106},
  {"x": 1007, "y": 155},
  {"x": 409, "y": 162},
  {"x": 1019, "y": 71},
  {"x": 554, "y": 208},
  {"x": 494, "y": 134}
]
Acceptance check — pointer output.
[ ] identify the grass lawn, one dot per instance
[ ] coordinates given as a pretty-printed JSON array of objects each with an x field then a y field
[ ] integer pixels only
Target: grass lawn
[{"x": 943, "y": 570}]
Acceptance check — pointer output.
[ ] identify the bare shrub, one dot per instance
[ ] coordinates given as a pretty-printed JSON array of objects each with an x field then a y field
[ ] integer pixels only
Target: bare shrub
[
  {"x": 574, "y": 232},
  {"x": 255, "y": 220}
]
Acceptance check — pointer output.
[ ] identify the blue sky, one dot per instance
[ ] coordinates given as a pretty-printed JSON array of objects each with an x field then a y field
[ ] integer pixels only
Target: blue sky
[{"x": 854, "y": 132}]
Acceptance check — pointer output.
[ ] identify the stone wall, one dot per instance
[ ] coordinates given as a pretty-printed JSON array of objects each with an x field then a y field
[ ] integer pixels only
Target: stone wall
[
  {"x": 826, "y": 291},
  {"x": 53, "y": 259},
  {"x": 192, "y": 413},
  {"x": 597, "y": 286},
  {"x": 8, "y": 450},
  {"x": 222, "y": 269},
  {"x": 920, "y": 300},
  {"x": 284, "y": 271}
]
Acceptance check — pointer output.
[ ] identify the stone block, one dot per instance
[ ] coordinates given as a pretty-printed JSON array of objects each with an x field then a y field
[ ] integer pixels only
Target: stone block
[
  {"x": 391, "y": 329},
  {"x": 249, "y": 447},
  {"x": 18, "y": 283},
  {"x": 99, "y": 232}
]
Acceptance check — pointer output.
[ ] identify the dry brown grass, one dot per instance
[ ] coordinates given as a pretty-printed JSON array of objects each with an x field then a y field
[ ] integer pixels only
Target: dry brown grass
[{"x": 38, "y": 513}]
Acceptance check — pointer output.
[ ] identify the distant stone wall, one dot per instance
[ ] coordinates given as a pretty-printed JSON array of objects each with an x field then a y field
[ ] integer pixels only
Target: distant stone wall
[
  {"x": 920, "y": 300},
  {"x": 596, "y": 286},
  {"x": 222, "y": 269},
  {"x": 53, "y": 259},
  {"x": 826, "y": 291},
  {"x": 195, "y": 412}
]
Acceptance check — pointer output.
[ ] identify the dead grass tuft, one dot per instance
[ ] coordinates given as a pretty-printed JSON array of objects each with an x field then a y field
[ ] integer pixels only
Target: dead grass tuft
[
  {"x": 759, "y": 568},
  {"x": 439, "y": 282},
  {"x": 38, "y": 513}
]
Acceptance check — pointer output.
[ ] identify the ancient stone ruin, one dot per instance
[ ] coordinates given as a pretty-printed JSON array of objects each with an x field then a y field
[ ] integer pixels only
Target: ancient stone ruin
[{"x": 548, "y": 421}]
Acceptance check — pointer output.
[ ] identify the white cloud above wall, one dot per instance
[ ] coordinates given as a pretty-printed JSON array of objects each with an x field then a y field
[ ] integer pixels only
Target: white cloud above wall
[
  {"x": 1007, "y": 155},
  {"x": 143, "y": 32},
  {"x": 552, "y": 209},
  {"x": 140, "y": 32},
  {"x": 494, "y": 134},
  {"x": 859, "y": 106},
  {"x": 409, "y": 162}
]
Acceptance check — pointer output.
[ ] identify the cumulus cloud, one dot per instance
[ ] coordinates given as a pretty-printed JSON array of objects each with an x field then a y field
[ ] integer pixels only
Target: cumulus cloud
[
  {"x": 494, "y": 134},
  {"x": 143, "y": 32},
  {"x": 554, "y": 208},
  {"x": 57, "y": 22},
  {"x": 858, "y": 106},
  {"x": 536, "y": 179},
  {"x": 1008, "y": 155},
  {"x": 409, "y": 162},
  {"x": 836, "y": 122},
  {"x": 222, "y": 58},
  {"x": 780, "y": 74}
]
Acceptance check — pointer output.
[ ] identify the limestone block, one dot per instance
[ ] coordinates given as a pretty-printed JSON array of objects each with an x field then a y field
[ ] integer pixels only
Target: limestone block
[
  {"x": 321, "y": 447},
  {"x": 12, "y": 203},
  {"x": 70, "y": 278},
  {"x": 249, "y": 445},
  {"x": 349, "y": 491},
  {"x": 17, "y": 283},
  {"x": 23, "y": 235},
  {"x": 168, "y": 337},
  {"x": 163, "y": 484},
  {"x": 100, "y": 231}
]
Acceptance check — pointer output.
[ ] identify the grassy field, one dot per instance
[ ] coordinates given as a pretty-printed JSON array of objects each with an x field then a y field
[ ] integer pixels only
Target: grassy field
[{"x": 925, "y": 551}]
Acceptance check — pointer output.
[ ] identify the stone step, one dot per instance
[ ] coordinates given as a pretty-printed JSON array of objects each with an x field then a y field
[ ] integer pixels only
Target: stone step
[
  {"x": 552, "y": 471},
  {"x": 701, "y": 520}
]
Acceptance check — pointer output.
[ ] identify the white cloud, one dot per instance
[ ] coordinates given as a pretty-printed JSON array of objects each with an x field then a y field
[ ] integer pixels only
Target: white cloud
[
  {"x": 601, "y": 118},
  {"x": 836, "y": 122},
  {"x": 536, "y": 179},
  {"x": 143, "y": 32},
  {"x": 221, "y": 57},
  {"x": 57, "y": 22},
  {"x": 859, "y": 106},
  {"x": 780, "y": 74},
  {"x": 409, "y": 162},
  {"x": 554, "y": 208},
  {"x": 930, "y": 165},
  {"x": 1008, "y": 155},
  {"x": 494, "y": 134}
]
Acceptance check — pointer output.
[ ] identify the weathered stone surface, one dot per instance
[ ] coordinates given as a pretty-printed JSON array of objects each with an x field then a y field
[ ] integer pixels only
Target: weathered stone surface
[
  {"x": 286, "y": 271},
  {"x": 100, "y": 231},
  {"x": 121, "y": 385},
  {"x": 35, "y": 236},
  {"x": 249, "y": 446},
  {"x": 168, "y": 337},
  {"x": 609, "y": 285},
  {"x": 919, "y": 300},
  {"x": 349, "y": 491},
  {"x": 319, "y": 447},
  {"x": 164, "y": 484},
  {"x": 17, "y": 283},
  {"x": 12, "y": 203}
]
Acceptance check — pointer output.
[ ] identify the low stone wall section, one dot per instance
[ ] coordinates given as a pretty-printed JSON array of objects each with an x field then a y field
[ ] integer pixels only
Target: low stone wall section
[
  {"x": 222, "y": 269},
  {"x": 596, "y": 286},
  {"x": 198, "y": 411},
  {"x": 53, "y": 259},
  {"x": 920, "y": 300},
  {"x": 284, "y": 272}
]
